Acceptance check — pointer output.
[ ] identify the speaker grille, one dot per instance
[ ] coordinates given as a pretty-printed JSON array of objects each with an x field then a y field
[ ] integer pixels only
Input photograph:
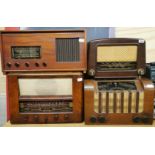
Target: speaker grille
[{"x": 67, "y": 50}]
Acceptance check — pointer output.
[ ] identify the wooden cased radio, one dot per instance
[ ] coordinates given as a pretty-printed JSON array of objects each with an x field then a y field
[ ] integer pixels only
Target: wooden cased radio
[
  {"x": 44, "y": 72},
  {"x": 45, "y": 98},
  {"x": 117, "y": 93},
  {"x": 116, "y": 58},
  {"x": 43, "y": 51}
]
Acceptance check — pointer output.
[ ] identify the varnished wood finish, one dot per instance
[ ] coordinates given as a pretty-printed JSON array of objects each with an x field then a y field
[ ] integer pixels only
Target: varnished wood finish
[
  {"x": 92, "y": 57},
  {"x": 119, "y": 118},
  {"x": 20, "y": 118},
  {"x": 47, "y": 41}
]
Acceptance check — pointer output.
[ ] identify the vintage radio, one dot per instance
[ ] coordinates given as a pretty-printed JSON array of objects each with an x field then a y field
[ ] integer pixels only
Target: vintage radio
[
  {"x": 44, "y": 51},
  {"x": 116, "y": 58},
  {"x": 118, "y": 94},
  {"x": 45, "y": 98}
]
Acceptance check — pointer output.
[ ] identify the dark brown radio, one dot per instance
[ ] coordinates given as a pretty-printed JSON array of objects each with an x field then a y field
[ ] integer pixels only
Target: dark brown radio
[
  {"x": 117, "y": 93},
  {"x": 45, "y": 98},
  {"x": 43, "y": 51},
  {"x": 116, "y": 58}
]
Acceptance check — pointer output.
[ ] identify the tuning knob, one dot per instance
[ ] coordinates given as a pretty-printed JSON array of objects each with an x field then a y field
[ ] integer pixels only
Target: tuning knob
[
  {"x": 91, "y": 72},
  {"x": 141, "y": 71},
  {"x": 44, "y": 64},
  {"x": 101, "y": 119},
  {"x": 8, "y": 64},
  {"x": 17, "y": 64},
  {"x": 27, "y": 64},
  {"x": 136, "y": 119},
  {"x": 37, "y": 64},
  {"x": 93, "y": 119}
]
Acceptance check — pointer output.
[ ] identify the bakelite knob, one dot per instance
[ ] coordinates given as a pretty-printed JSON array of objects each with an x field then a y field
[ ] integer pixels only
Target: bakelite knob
[
  {"x": 8, "y": 64},
  {"x": 93, "y": 119},
  {"x": 101, "y": 119},
  {"x": 37, "y": 64},
  {"x": 136, "y": 119},
  {"x": 17, "y": 64},
  {"x": 44, "y": 64},
  {"x": 27, "y": 64}
]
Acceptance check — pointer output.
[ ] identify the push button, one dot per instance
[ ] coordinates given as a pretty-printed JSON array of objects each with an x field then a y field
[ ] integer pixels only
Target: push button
[
  {"x": 27, "y": 64},
  {"x": 44, "y": 64},
  {"x": 37, "y": 64}
]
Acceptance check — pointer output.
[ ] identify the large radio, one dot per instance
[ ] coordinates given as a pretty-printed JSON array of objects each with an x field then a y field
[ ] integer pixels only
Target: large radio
[
  {"x": 43, "y": 51},
  {"x": 116, "y": 92},
  {"x": 44, "y": 72}
]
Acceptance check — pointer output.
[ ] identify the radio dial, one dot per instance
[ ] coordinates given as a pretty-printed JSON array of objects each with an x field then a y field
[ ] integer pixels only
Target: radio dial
[
  {"x": 17, "y": 64},
  {"x": 8, "y": 64},
  {"x": 91, "y": 72}
]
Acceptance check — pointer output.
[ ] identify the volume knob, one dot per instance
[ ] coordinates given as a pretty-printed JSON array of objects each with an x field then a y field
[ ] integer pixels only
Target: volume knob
[
  {"x": 17, "y": 64},
  {"x": 8, "y": 64},
  {"x": 93, "y": 119},
  {"x": 27, "y": 64}
]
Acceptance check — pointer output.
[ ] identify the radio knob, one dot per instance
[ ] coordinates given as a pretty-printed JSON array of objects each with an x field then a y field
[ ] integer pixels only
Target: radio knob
[
  {"x": 44, "y": 64},
  {"x": 37, "y": 64},
  {"x": 8, "y": 64},
  {"x": 93, "y": 119},
  {"x": 17, "y": 64},
  {"x": 136, "y": 119},
  {"x": 91, "y": 72},
  {"x": 66, "y": 116},
  {"x": 101, "y": 119},
  {"x": 27, "y": 64}
]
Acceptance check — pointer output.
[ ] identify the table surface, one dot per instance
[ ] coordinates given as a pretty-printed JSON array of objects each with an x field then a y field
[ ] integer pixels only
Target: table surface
[{"x": 8, "y": 124}]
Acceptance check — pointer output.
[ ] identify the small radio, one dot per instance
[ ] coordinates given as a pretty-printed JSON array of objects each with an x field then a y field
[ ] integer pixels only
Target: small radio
[
  {"x": 116, "y": 58},
  {"x": 43, "y": 51},
  {"x": 117, "y": 93}
]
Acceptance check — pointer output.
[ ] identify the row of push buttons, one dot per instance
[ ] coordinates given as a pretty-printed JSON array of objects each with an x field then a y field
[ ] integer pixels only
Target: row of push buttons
[{"x": 27, "y": 64}]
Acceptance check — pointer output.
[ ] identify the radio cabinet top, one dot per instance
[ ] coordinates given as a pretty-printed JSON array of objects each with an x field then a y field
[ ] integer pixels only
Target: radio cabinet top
[{"x": 43, "y": 51}]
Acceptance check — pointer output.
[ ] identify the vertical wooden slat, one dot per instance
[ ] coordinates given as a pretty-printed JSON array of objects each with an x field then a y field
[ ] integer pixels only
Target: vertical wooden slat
[
  {"x": 137, "y": 101},
  {"x": 122, "y": 102},
  {"x": 100, "y": 103},
  {"x": 107, "y": 102},
  {"x": 115, "y": 102},
  {"x": 129, "y": 102}
]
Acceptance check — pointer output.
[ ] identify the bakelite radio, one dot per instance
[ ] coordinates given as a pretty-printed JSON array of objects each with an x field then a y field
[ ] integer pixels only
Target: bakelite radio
[
  {"x": 116, "y": 92},
  {"x": 44, "y": 74}
]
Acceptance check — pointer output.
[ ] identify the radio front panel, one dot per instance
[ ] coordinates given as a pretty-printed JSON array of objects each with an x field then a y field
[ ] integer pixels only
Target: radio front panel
[
  {"x": 45, "y": 98},
  {"x": 28, "y": 51},
  {"x": 119, "y": 102}
]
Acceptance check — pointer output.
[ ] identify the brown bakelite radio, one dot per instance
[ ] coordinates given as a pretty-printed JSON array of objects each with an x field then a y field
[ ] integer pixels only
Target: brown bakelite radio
[
  {"x": 44, "y": 74},
  {"x": 116, "y": 92}
]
